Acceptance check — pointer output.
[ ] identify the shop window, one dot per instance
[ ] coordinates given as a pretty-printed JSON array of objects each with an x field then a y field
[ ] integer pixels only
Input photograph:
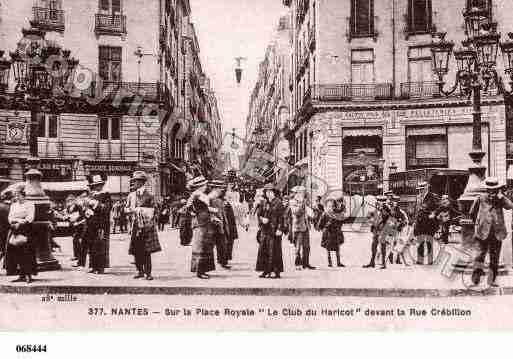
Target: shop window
[
  {"x": 362, "y": 18},
  {"x": 419, "y": 16},
  {"x": 48, "y": 125},
  {"x": 427, "y": 150},
  {"x": 362, "y": 66},
  {"x": 110, "y": 128}
]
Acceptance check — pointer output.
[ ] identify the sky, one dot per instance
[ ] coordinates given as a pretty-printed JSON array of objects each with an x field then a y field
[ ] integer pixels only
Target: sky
[{"x": 227, "y": 29}]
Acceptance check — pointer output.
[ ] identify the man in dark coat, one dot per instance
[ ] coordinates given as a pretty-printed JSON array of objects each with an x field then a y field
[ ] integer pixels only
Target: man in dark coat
[
  {"x": 221, "y": 237},
  {"x": 231, "y": 228},
  {"x": 490, "y": 229},
  {"x": 270, "y": 216}
]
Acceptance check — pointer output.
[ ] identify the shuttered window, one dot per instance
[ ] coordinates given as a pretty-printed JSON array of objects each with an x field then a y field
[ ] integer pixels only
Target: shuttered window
[
  {"x": 48, "y": 125},
  {"x": 110, "y": 128},
  {"x": 110, "y": 63},
  {"x": 362, "y": 18},
  {"x": 419, "y": 16}
]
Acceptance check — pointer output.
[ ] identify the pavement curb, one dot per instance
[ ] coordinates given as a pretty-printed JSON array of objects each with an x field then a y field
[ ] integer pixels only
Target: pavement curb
[{"x": 285, "y": 292}]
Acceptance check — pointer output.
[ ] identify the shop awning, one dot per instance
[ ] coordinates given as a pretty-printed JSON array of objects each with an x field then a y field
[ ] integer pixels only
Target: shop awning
[{"x": 359, "y": 132}]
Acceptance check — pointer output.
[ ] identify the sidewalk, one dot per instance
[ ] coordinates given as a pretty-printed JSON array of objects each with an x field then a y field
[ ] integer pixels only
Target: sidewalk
[{"x": 172, "y": 275}]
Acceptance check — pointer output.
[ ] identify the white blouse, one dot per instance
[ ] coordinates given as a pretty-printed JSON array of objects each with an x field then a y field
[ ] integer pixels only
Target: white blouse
[{"x": 22, "y": 212}]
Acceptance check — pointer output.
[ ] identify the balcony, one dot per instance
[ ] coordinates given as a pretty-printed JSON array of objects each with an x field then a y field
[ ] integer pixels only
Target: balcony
[
  {"x": 50, "y": 147},
  {"x": 425, "y": 89},
  {"x": 311, "y": 39},
  {"x": 147, "y": 91},
  {"x": 352, "y": 92},
  {"x": 48, "y": 19},
  {"x": 110, "y": 24},
  {"x": 110, "y": 150}
]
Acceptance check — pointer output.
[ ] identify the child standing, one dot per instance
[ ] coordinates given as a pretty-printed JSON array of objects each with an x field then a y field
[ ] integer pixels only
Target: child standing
[{"x": 330, "y": 223}]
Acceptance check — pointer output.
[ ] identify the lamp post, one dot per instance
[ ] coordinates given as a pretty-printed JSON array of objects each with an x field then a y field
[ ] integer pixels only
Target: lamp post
[
  {"x": 43, "y": 73},
  {"x": 476, "y": 61}
]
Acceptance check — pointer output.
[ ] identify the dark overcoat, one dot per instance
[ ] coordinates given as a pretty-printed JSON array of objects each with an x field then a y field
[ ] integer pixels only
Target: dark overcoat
[{"x": 270, "y": 255}]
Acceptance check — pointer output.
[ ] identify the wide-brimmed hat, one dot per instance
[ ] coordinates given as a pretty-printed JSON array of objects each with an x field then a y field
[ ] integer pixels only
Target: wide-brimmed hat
[
  {"x": 299, "y": 189},
  {"x": 269, "y": 186},
  {"x": 139, "y": 176},
  {"x": 389, "y": 193},
  {"x": 396, "y": 198},
  {"x": 197, "y": 182},
  {"x": 33, "y": 172},
  {"x": 381, "y": 198},
  {"x": 94, "y": 180},
  {"x": 492, "y": 183}
]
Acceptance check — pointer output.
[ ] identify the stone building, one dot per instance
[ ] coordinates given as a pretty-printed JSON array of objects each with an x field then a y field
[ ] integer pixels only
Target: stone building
[
  {"x": 131, "y": 76},
  {"x": 266, "y": 149},
  {"x": 365, "y": 100}
]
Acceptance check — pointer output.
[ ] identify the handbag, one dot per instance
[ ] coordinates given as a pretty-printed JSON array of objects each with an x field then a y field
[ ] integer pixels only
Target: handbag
[{"x": 18, "y": 239}]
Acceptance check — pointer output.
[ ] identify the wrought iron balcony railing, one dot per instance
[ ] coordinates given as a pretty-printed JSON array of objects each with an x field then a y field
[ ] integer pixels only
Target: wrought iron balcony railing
[
  {"x": 48, "y": 19},
  {"x": 419, "y": 89},
  {"x": 146, "y": 91},
  {"x": 50, "y": 148},
  {"x": 428, "y": 162},
  {"x": 352, "y": 92},
  {"x": 110, "y": 150},
  {"x": 110, "y": 24}
]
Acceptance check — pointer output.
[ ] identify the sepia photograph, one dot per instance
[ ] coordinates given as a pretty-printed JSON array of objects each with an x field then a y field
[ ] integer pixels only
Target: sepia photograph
[{"x": 262, "y": 165}]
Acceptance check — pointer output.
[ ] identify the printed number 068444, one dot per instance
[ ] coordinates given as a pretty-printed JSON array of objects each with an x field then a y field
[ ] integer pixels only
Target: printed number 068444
[{"x": 31, "y": 348}]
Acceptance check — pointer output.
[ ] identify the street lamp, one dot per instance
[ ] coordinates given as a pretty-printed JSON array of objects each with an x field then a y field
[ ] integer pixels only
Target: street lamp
[
  {"x": 476, "y": 71},
  {"x": 41, "y": 70}
]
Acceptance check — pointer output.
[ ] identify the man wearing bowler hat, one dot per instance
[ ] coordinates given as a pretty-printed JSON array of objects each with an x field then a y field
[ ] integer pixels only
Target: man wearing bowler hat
[
  {"x": 218, "y": 191},
  {"x": 490, "y": 230},
  {"x": 301, "y": 213}
]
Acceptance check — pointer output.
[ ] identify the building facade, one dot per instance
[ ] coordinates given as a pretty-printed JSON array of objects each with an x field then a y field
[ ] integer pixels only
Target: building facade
[
  {"x": 266, "y": 151},
  {"x": 129, "y": 78},
  {"x": 364, "y": 97}
]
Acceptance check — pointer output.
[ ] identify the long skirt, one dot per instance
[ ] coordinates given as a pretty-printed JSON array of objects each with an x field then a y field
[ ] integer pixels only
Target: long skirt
[
  {"x": 270, "y": 256},
  {"x": 202, "y": 260},
  {"x": 21, "y": 260}
]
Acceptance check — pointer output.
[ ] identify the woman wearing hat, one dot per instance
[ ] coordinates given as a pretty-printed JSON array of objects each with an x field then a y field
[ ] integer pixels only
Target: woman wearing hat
[
  {"x": 144, "y": 239},
  {"x": 97, "y": 231},
  {"x": 203, "y": 228},
  {"x": 270, "y": 222},
  {"x": 20, "y": 251}
]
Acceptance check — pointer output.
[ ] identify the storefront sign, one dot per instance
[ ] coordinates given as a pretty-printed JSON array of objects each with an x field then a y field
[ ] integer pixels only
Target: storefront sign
[
  {"x": 16, "y": 133},
  {"x": 109, "y": 167},
  {"x": 55, "y": 166}
]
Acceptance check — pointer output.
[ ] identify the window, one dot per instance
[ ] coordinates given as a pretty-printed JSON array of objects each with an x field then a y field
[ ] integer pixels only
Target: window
[
  {"x": 426, "y": 147},
  {"x": 362, "y": 18},
  {"x": 478, "y": 3},
  {"x": 110, "y": 128},
  {"x": 48, "y": 125},
  {"x": 110, "y": 63},
  {"x": 419, "y": 64},
  {"x": 419, "y": 16},
  {"x": 110, "y": 6},
  {"x": 362, "y": 66}
]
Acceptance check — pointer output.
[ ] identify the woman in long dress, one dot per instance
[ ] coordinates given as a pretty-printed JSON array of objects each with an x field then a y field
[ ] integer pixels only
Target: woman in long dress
[
  {"x": 21, "y": 258},
  {"x": 330, "y": 223},
  {"x": 203, "y": 230},
  {"x": 270, "y": 222}
]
